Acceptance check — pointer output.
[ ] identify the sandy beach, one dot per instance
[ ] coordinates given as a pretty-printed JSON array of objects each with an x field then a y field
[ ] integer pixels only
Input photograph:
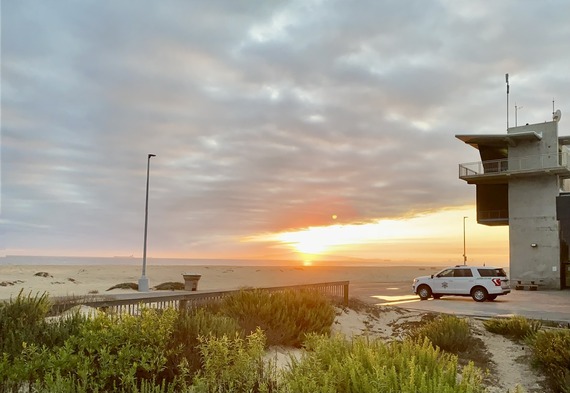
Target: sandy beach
[{"x": 77, "y": 280}]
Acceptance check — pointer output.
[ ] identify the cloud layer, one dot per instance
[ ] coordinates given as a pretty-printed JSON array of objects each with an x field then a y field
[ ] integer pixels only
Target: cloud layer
[{"x": 264, "y": 116}]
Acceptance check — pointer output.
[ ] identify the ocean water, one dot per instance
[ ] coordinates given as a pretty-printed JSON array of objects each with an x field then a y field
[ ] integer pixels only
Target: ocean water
[{"x": 68, "y": 260}]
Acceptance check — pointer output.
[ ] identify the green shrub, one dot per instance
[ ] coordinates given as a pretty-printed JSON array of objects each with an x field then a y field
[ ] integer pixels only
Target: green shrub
[
  {"x": 123, "y": 351},
  {"x": 188, "y": 327},
  {"x": 362, "y": 365},
  {"x": 235, "y": 365},
  {"x": 448, "y": 332},
  {"x": 23, "y": 321},
  {"x": 517, "y": 327},
  {"x": 551, "y": 352},
  {"x": 285, "y": 317},
  {"x": 107, "y": 354},
  {"x": 158, "y": 348}
]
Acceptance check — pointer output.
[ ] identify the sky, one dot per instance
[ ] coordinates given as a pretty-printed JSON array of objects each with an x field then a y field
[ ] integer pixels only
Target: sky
[{"x": 280, "y": 128}]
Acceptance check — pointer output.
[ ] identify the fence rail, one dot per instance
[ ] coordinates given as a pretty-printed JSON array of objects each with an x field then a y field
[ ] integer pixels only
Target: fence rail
[
  {"x": 337, "y": 291},
  {"x": 515, "y": 164}
]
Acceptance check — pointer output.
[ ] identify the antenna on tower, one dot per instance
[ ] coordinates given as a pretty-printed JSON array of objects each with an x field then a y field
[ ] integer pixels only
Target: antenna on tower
[
  {"x": 507, "y": 80},
  {"x": 516, "y": 112}
]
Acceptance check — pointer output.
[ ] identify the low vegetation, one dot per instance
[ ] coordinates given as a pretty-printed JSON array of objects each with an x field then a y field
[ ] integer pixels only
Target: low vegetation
[
  {"x": 189, "y": 328},
  {"x": 235, "y": 365},
  {"x": 334, "y": 365},
  {"x": 515, "y": 327},
  {"x": 285, "y": 316},
  {"x": 372, "y": 365},
  {"x": 23, "y": 321},
  {"x": 446, "y": 332},
  {"x": 223, "y": 349},
  {"x": 550, "y": 348},
  {"x": 160, "y": 350},
  {"x": 551, "y": 353},
  {"x": 454, "y": 335}
]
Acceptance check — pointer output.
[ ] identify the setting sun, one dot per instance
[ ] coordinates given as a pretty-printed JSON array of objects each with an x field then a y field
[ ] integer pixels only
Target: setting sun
[
  {"x": 433, "y": 236},
  {"x": 308, "y": 247},
  {"x": 314, "y": 240}
]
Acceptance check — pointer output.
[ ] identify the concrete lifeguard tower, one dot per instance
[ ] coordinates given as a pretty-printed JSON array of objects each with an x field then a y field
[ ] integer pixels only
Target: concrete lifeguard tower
[{"x": 522, "y": 181}]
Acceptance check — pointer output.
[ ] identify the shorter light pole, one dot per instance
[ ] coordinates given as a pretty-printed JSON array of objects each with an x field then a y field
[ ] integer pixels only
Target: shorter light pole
[
  {"x": 464, "y": 254},
  {"x": 143, "y": 281}
]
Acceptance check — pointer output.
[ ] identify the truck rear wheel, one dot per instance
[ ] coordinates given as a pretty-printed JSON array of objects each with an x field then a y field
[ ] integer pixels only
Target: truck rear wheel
[{"x": 479, "y": 294}]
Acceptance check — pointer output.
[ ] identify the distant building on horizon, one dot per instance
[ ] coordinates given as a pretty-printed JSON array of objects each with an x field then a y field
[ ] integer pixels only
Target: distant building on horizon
[{"x": 523, "y": 181}]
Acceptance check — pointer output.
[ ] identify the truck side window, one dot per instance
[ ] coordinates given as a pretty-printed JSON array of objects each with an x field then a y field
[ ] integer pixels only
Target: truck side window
[{"x": 463, "y": 273}]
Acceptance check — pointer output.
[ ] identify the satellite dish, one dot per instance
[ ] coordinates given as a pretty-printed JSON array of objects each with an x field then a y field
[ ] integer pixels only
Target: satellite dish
[{"x": 557, "y": 115}]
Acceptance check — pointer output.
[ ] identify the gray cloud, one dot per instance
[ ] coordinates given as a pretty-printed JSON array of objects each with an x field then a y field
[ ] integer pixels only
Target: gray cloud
[{"x": 264, "y": 116}]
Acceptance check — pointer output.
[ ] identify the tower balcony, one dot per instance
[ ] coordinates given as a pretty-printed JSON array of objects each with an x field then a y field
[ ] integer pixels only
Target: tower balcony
[{"x": 498, "y": 171}]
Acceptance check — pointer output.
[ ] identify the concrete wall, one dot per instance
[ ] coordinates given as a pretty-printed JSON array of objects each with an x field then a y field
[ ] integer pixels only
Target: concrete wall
[
  {"x": 532, "y": 213},
  {"x": 547, "y": 145},
  {"x": 532, "y": 220}
]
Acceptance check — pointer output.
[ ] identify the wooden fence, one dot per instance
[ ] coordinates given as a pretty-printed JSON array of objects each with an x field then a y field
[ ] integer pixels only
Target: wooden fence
[{"x": 337, "y": 291}]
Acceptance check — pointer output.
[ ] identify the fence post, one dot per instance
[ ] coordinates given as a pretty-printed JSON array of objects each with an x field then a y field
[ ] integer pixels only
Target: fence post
[{"x": 346, "y": 294}]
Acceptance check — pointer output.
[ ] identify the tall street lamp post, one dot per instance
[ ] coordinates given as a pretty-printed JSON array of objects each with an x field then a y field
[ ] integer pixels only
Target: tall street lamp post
[
  {"x": 464, "y": 254},
  {"x": 143, "y": 281}
]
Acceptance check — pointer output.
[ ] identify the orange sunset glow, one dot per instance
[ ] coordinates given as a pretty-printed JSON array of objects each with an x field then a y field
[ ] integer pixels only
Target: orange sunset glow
[{"x": 430, "y": 237}]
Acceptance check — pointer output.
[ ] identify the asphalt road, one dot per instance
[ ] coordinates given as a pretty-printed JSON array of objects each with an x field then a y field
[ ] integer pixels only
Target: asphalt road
[{"x": 546, "y": 305}]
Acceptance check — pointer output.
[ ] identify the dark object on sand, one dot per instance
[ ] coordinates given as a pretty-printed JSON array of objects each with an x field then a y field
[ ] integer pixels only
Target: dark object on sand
[
  {"x": 43, "y": 274},
  {"x": 6, "y": 283},
  {"x": 170, "y": 286},
  {"x": 125, "y": 285}
]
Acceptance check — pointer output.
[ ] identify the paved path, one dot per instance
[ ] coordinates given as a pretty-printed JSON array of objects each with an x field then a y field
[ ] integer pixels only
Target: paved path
[{"x": 545, "y": 305}]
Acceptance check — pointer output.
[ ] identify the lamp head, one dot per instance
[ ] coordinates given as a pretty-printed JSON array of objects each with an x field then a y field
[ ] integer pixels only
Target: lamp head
[{"x": 151, "y": 155}]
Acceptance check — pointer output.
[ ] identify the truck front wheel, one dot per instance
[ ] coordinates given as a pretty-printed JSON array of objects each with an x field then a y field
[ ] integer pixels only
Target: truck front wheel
[{"x": 424, "y": 292}]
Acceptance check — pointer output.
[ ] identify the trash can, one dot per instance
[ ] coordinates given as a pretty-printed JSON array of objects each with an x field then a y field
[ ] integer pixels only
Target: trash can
[{"x": 191, "y": 281}]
